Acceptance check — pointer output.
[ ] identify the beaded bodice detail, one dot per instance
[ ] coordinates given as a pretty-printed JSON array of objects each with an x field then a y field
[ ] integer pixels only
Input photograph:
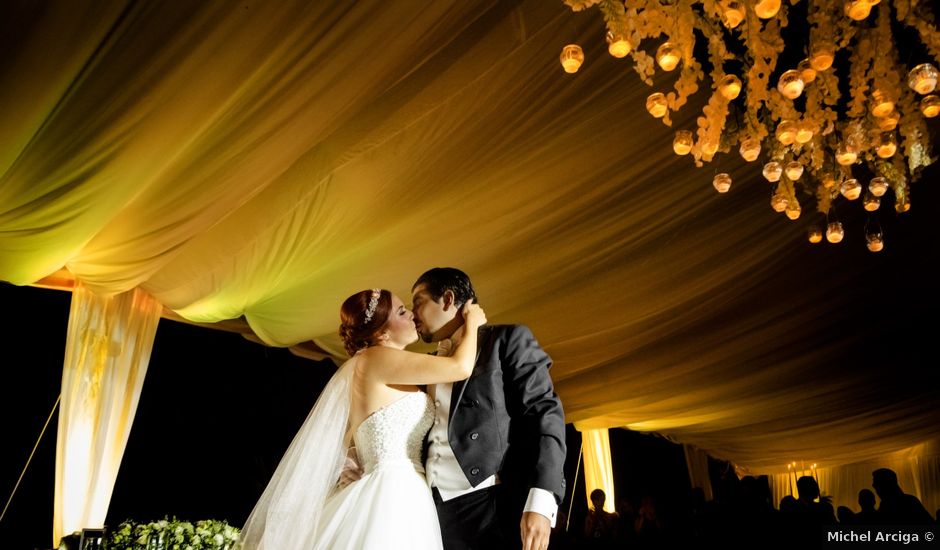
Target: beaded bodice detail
[{"x": 395, "y": 433}]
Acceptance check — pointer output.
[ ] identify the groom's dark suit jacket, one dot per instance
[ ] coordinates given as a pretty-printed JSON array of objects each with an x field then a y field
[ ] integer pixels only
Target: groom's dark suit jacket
[{"x": 506, "y": 419}]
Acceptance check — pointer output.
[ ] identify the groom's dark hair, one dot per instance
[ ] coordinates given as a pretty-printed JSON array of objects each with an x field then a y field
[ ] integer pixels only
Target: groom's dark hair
[{"x": 441, "y": 279}]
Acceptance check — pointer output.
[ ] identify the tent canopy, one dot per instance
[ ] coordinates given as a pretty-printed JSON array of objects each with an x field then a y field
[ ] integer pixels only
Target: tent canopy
[{"x": 268, "y": 159}]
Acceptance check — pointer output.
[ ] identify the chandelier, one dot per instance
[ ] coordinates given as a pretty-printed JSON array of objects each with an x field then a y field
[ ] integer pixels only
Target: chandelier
[{"x": 814, "y": 92}]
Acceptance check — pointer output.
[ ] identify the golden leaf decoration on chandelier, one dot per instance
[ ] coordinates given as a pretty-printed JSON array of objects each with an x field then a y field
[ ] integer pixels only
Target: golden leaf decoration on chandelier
[{"x": 795, "y": 115}]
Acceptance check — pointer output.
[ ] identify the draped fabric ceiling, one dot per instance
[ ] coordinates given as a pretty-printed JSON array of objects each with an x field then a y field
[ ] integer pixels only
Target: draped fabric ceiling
[{"x": 267, "y": 159}]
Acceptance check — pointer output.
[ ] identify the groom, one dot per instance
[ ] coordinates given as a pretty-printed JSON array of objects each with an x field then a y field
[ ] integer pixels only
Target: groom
[{"x": 496, "y": 451}]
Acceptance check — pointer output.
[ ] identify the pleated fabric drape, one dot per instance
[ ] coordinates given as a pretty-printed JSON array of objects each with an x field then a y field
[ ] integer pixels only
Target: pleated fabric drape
[{"x": 107, "y": 352}]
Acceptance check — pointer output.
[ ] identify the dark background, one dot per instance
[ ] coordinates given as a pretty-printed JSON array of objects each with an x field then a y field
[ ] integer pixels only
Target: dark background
[{"x": 215, "y": 415}]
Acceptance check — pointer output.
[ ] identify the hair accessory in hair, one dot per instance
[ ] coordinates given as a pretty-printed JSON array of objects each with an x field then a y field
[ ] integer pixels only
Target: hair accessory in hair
[{"x": 373, "y": 303}]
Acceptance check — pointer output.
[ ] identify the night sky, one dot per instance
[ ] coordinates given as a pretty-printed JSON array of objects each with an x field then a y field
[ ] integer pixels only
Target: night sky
[{"x": 215, "y": 415}]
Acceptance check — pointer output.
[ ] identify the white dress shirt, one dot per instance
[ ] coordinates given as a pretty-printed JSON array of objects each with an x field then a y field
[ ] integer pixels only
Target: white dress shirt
[{"x": 443, "y": 470}]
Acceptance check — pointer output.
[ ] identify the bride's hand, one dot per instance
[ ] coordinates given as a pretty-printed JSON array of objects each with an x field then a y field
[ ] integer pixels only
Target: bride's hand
[{"x": 473, "y": 314}]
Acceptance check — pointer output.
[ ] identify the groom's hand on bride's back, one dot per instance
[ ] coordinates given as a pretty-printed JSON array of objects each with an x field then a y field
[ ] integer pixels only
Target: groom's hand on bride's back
[{"x": 352, "y": 471}]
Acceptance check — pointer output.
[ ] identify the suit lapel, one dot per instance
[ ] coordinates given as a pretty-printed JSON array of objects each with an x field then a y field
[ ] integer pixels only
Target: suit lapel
[{"x": 456, "y": 395}]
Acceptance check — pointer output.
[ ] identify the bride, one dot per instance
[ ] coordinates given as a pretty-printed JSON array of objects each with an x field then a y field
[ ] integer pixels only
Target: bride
[{"x": 373, "y": 402}]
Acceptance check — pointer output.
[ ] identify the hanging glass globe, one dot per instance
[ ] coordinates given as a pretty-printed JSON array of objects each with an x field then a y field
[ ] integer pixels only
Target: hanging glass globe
[
  {"x": 656, "y": 105},
  {"x": 857, "y": 10},
  {"x": 682, "y": 144},
  {"x": 722, "y": 182},
  {"x": 617, "y": 45},
  {"x": 793, "y": 210},
  {"x": 875, "y": 242},
  {"x": 878, "y": 186},
  {"x": 871, "y": 202},
  {"x": 822, "y": 55},
  {"x": 922, "y": 78},
  {"x": 815, "y": 234},
  {"x": 790, "y": 84},
  {"x": 779, "y": 202},
  {"x": 881, "y": 104},
  {"x": 730, "y": 86},
  {"x": 902, "y": 204},
  {"x": 571, "y": 58},
  {"x": 889, "y": 122},
  {"x": 786, "y": 132},
  {"x": 772, "y": 171},
  {"x": 887, "y": 145},
  {"x": 834, "y": 232},
  {"x": 846, "y": 154},
  {"x": 807, "y": 72},
  {"x": 733, "y": 13},
  {"x": 794, "y": 170},
  {"x": 851, "y": 189},
  {"x": 804, "y": 132},
  {"x": 765, "y": 9},
  {"x": 750, "y": 149},
  {"x": 930, "y": 106},
  {"x": 668, "y": 56}
]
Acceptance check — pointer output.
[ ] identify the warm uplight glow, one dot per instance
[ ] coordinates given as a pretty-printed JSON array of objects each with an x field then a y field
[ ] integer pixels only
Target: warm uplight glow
[
  {"x": 779, "y": 202},
  {"x": 871, "y": 202},
  {"x": 875, "y": 242},
  {"x": 571, "y": 58},
  {"x": 598, "y": 469}
]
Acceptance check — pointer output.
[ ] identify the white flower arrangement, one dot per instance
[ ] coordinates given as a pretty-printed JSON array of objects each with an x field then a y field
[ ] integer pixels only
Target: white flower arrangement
[{"x": 173, "y": 534}]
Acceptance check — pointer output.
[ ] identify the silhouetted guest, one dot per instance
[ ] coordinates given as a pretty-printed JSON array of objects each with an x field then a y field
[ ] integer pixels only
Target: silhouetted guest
[
  {"x": 600, "y": 526},
  {"x": 820, "y": 513},
  {"x": 897, "y": 507},
  {"x": 845, "y": 515},
  {"x": 868, "y": 515},
  {"x": 648, "y": 525},
  {"x": 626, "y": 512}
]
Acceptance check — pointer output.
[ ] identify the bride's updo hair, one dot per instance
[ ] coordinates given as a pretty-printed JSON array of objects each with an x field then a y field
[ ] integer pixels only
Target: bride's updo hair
[{"x": 356, "y": 328}]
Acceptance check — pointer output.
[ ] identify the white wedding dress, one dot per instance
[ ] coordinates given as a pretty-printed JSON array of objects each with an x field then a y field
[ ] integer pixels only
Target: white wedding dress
[{"x": 390, "y": 507}]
